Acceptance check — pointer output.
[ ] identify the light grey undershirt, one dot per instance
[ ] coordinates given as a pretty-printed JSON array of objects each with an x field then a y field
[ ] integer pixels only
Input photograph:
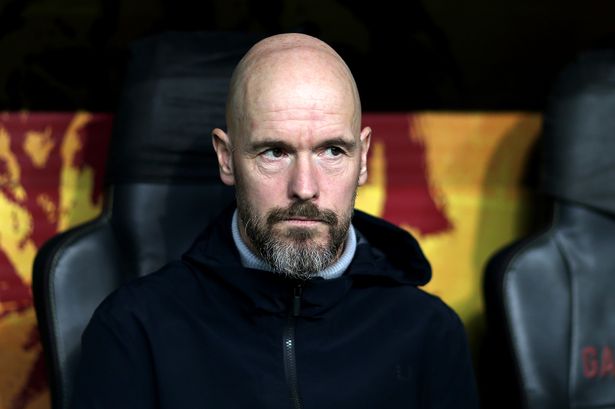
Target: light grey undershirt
[{"x": 251, "y": 260}]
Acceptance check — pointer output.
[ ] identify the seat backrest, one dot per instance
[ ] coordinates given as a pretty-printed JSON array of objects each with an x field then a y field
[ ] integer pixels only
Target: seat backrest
[
  {"x": 550, "y": 297},
  {"x": 162, "y": 188}
]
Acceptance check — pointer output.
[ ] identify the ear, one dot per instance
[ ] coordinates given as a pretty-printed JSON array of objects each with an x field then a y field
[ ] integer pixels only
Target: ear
[
  {"x": 366, "y": 135},
  {"x": 224, "y": 152}
]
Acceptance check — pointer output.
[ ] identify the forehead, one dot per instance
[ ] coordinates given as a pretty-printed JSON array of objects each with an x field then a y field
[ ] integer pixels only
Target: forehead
[
  {"x": 296, "y": 86},
  {"x": 304, "y": 120},
  {"x": 308, "y": 104}
]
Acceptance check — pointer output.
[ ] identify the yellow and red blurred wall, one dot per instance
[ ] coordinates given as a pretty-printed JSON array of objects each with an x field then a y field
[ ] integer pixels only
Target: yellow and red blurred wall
[{"x": 452, "y": 179}]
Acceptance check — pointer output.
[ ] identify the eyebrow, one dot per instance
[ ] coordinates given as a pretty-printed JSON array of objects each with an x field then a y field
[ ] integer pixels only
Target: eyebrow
[
  {"x": 268, "y": 144},
  {"x": 348, "y": 145}
]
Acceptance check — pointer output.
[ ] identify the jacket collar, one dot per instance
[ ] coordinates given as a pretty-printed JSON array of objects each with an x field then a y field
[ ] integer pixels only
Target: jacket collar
[{"x": 386, "y": 255}]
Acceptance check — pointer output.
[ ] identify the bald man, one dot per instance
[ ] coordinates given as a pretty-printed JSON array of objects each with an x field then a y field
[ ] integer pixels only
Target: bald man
[{"x": 291, "y": 298}]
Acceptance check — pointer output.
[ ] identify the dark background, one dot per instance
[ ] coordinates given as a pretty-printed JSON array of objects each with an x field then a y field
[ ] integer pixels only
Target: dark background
[{"x": 65, "y": 55}]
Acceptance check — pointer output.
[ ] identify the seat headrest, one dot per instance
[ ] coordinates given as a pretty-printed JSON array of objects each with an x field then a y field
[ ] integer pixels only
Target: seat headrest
[
  {"x": 174, "y": 94},
  {"x": 579, "y": 132}
]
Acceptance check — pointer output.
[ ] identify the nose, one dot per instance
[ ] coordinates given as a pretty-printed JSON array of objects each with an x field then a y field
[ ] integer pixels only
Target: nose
[{"x": 303, "y": 183}]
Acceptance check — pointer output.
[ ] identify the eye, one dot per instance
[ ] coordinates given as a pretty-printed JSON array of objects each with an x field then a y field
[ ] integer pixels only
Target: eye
[
  {"x": 334, "y": 151},
  {"x": 273, "y": 153}
]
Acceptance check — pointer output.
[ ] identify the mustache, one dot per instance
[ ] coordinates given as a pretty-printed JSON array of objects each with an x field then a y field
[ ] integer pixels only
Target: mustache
[{"x": 303, "y": 209}]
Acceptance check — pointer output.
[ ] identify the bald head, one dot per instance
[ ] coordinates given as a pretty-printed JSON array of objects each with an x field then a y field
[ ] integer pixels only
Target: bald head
[{"x": 289, "y": 70}]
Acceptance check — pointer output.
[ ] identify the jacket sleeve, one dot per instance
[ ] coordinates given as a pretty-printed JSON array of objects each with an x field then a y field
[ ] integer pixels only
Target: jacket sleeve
[
  {"x": 115, "y": 369},
  {"x": 450, "y": 381}
]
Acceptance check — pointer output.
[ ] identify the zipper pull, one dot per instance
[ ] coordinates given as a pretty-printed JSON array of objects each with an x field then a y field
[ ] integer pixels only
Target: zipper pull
[{"x": 297, "y": 293}]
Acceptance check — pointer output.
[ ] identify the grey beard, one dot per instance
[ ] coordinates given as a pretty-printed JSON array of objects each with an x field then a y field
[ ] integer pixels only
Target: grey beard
[
  {"x": 294, "y": 254},
  {"x": 298, "y": 260}
]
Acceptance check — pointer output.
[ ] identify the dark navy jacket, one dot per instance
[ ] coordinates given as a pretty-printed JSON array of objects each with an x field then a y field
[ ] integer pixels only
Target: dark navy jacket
[{"x": 204, "y": 332}]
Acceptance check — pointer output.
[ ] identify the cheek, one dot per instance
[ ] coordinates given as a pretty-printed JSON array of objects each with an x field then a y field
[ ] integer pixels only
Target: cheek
[
  {"x": 338, "y": 191},
  {"x": 262, "y": 191}
]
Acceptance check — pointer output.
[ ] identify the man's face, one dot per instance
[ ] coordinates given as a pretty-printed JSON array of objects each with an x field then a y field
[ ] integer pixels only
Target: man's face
[{"x": 296, "y": 166}]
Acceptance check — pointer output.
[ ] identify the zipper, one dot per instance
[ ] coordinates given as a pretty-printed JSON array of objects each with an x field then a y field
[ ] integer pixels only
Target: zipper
[{"x": 288, "y": 345}]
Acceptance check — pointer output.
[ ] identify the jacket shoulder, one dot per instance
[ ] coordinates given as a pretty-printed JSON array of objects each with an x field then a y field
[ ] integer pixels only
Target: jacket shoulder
[
  {"x": 175, "y": 280},
  {"x": 420, "y": 306}
]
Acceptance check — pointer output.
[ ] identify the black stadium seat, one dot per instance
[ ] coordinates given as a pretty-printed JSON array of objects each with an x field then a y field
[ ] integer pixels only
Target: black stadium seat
[
  {"x": 162, "y": 188},
  {"x": 550, "y": 298}
]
